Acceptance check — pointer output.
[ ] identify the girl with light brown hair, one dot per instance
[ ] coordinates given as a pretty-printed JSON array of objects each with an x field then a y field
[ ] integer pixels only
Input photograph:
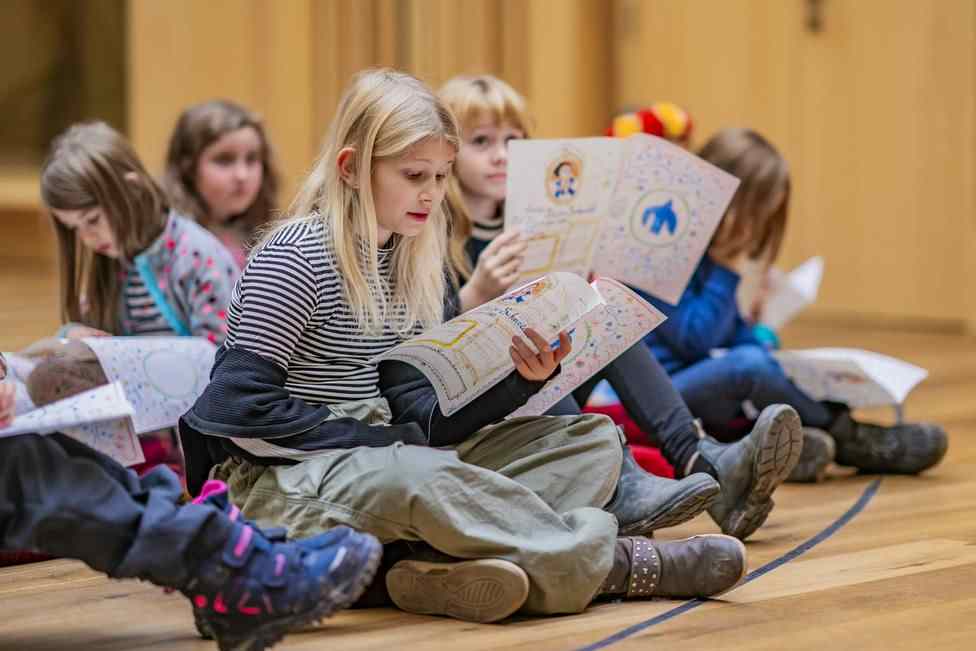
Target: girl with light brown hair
[
  {"x": 220, "y": 170},
  {"x": 707, "y": 318}
]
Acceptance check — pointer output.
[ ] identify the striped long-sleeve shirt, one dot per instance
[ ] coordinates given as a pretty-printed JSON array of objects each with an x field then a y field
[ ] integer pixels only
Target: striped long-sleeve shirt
[
  {"x": 289, "y": 308},
  {"x": 293, "y": 350}
]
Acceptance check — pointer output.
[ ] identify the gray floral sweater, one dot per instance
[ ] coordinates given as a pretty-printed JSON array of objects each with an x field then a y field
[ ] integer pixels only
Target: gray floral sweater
[{"x": 180, "y": 285}]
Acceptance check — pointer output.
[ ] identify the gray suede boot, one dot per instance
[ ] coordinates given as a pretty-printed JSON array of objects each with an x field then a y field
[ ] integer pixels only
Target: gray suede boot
[
  {"x": 749, "y": 470},
  {"x": 696, "y": 567},
  {"x": 644, "y": 502},
  {"x": 818, "y": 453}
]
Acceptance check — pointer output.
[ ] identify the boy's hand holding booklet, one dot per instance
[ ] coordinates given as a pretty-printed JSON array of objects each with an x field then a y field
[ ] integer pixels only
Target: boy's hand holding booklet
[{"x": 468, "y": 355}]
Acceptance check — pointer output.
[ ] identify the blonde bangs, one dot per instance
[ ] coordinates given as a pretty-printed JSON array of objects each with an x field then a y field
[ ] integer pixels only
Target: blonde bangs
[{"x": 473, "y": 99}]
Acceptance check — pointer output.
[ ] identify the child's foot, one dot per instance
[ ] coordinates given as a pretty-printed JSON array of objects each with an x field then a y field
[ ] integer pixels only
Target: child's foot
[
  {"x": 818, "y": 453},
  {"x": 252, "y": 592},
  {"x": 310, "y": 578},
  {"x": 483, "y": 590},
  {"x": 750, "y": 469},
  {"x": 644, "y": 502},
  {"x": 902, "y": 449},
  {"x": 696, "y": 567}
]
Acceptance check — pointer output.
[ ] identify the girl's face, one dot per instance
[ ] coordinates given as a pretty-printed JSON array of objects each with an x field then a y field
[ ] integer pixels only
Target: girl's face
[
  {"x": 230, "y": 172},
  {"x": 483, "y": 160},
  {"x": 91, "y": 228},
  {"x": 406, "y": 188}
]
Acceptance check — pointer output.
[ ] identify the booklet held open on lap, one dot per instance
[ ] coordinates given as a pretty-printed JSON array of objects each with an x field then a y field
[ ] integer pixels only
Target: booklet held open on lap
[{"x": 469, "y": 354}]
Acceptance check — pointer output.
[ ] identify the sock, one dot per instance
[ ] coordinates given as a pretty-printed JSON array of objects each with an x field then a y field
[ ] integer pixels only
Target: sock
[{"x": 681, "y": 451}]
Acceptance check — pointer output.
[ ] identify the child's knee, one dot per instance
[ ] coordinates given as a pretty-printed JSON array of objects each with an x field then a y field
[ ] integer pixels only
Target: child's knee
[
  {"x": 416, "y": 466},
  {"x": 754, "y": 360},
  {"x": 604, "y": 432}
]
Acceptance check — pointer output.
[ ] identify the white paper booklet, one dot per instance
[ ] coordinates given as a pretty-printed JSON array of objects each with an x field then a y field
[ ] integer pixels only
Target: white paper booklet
[
  {"x": 162, "y": 376},
  {"x": 599, "y": 338},
  {"x": 99, "y": 418},
  {"x": 637, "y": 209},
  {"x": 469, "y": 354},
  {"x": 790, "y": 294},
  {"x": 858, "y": 378}
]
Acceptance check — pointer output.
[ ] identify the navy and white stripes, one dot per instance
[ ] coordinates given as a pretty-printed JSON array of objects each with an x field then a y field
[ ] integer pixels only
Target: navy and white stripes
[{"x": 289, "y": 307}]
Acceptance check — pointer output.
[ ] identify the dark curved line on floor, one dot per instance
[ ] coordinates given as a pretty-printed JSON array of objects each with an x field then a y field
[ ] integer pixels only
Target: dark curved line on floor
[{"x": 851, "y": 513}]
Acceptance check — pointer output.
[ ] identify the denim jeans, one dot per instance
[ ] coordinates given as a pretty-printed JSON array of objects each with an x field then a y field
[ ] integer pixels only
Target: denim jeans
[{"x": 714, "y": 389}]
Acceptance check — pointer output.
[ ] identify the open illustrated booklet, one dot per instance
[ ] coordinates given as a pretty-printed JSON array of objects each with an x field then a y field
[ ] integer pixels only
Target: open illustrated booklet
[
  {"x": 468, "y": 355},
  {"x": 639, "y": 209},
  {"x": 152, "y": 382}
]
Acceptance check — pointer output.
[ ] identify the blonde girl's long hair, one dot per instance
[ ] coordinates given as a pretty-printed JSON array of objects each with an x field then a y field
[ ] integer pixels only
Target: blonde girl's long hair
[
  {"x": 196, "y": 129},
  {"x": 472, "y": 99},
  {"x": 755, "y": 221},
  {"x": 381, "y": 115},
  {"x": 92, "y": 165}
]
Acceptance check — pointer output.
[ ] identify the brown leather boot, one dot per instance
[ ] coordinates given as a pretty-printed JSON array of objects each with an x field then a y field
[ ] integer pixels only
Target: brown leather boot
[{"x": 700, "y": 566}]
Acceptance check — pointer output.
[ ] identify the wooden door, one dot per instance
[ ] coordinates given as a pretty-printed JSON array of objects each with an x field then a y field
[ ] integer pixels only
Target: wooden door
[{"x": 874, "y": 113}]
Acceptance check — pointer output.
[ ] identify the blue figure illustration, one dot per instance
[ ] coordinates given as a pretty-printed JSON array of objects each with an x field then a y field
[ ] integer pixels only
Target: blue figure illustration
[
  {"x": 664, "y": 215},
  {"x": 565, "y": 180}
]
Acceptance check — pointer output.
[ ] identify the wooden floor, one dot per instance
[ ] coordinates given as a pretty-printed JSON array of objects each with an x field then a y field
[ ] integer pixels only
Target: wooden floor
[{"x": 900, "y": 575}]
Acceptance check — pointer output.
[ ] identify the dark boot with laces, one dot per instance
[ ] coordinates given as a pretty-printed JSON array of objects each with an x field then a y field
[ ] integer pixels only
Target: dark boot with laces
[{"x": 907, "y": 449}]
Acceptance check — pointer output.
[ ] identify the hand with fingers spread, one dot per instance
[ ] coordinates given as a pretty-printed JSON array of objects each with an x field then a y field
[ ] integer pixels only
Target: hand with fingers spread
[
  {"x": 538, "y": 366},
  {"x": 497, "y": 268}
]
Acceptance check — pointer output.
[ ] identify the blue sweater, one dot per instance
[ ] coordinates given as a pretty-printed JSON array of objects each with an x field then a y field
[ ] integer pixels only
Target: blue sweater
[{"x": 705, "y": 318}]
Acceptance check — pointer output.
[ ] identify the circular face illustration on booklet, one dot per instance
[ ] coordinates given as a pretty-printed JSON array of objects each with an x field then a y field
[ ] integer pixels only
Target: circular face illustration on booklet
[
  {"x": 159, "y": 367},
  {"x": 660, "y": 218},
  {"x": 564, "y": 176}
]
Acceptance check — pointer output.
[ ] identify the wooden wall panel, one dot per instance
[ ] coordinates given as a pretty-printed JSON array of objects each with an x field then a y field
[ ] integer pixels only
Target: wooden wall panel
[
  {"x": 881, "y": 102},
  {"x": 728, "y": 63},
  {"x": 871, "y": 113},
  {"x": 875, "y": 113}
]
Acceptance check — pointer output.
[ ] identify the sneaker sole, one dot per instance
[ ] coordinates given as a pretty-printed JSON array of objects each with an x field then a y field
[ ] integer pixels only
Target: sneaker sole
[
  {"x": 779, "y": 450},
  {"x": 685, "y": 506},
  {"x": 333, "y": 599},
  {"x": 481, "y": 591}
]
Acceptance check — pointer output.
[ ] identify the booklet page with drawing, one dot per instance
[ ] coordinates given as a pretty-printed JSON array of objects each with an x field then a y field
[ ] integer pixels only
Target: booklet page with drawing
[
  {"x": 637, "y": 209},
  {"x": 469, "y": 354},
  {"x": 857, "y": 378},
  {"x": 153, "y": 381},
  {"x": 99, "y": 418}
]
